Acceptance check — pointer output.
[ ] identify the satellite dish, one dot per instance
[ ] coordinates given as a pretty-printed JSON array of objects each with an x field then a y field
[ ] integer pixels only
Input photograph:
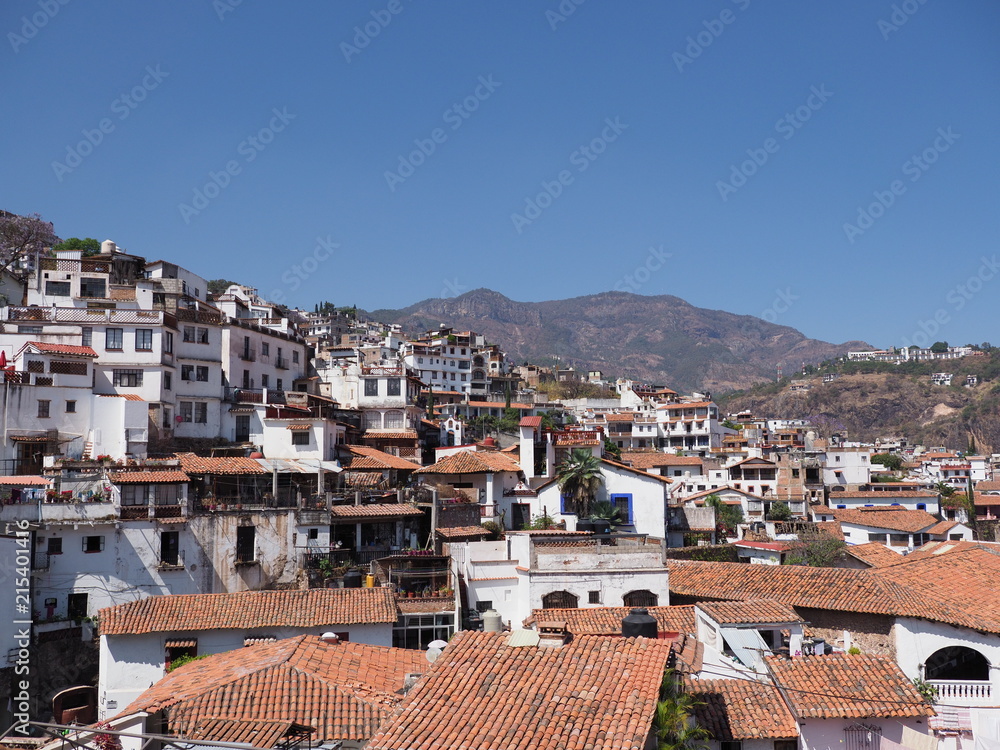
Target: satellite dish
[{"x": 434, "y": 650}]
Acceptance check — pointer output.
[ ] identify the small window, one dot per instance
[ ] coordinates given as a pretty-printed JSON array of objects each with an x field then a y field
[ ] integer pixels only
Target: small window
[
  {"x": 57, "y": 288},
  {"x": 187, "y": 372},
  {"x": 265, "y": 381},
  {"x": 731, "y": 745},
  {"x": 170, "y": 547},
  {"x": 113, "y": 338},
  {"x": 484, "y": 604},
  {"x": 921, "y": 506},
  {"x": 393, "y": 387},
  {"x": 127, "y": 378},
  {"x": 295, "y": 356},
  {"x": 202, "y": 335},
  {"x": 265, "y": 348},
  {"x": 371, "y": 387},
  {"x": 90, "y": 287},
  {"x": 186, "y": 412},
  {"x": 34, "y": 330},
  {"x": 246, "y": 537},
  {"x": 594, "y": 597},
  {"x": 189, "y": 333},
  {"x": 86, "y": 336},
  {"x": 93, "y": 544},
  {"x": 144, "y": 339},
  {"x": 168, "y": 342},
  {"x": 76, "y": 606},
  {"x": 168, "y": 381},
  {"x": 300, "y": 437},
  {"x": 71, "y": 407},
  {"x": 54, "y": 545},
  {"x": 280, "y": 385},
  {"x": 175, "y": 649},
  {"x": 201, "y": 412},
  {"x": 201, "y": 374},
  {"x": 43, "y": 407},
  {"x": 314, "y": 533}
]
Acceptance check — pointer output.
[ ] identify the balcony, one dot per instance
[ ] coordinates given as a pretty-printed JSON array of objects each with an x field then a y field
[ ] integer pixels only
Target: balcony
[
  {"x": 248, "y": 355},
  {"x": 281, "y": 362},
  {"x": 964, "y": 692}
]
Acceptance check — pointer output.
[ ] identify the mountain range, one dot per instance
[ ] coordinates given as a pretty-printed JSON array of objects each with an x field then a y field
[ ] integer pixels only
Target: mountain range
[{"x": 656, "y": 339}]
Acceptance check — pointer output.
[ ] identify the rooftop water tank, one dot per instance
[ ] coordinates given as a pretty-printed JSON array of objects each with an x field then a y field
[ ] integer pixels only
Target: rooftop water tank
[
  {"x": 352, "y": 579},
  {"x": 492, "y": 622},
  {"x": 639, "y": 623}
]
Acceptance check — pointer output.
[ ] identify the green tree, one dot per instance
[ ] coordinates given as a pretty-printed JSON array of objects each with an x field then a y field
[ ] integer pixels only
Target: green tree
[
  {"x": 939, "y": 347},
  {"x": 611, "y": 449},
  {"x": 891, "y": 461},
  {"x": 727, "y": 517},
  {"x": 674, "y": 722},
  {"x": 820, "y": 552},
  {"x": 510, "y": 420},
  {"x": 541, "y": 522},
  {"x": 88, "y": 246},
  {"x": 605, "y": 511},
  {"x": 579, "y": 478},
  {"x": 779, "y": 512},
  {"x": 944, "y": 489},
  {"x": 219, "y": 286}
]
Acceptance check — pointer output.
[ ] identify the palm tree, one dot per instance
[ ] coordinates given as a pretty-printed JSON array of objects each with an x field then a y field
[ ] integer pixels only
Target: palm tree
[
  {"x": 605, "y": 511},
  {"x": 674, "y": 719},
  {"x": 579, "y": 478}
]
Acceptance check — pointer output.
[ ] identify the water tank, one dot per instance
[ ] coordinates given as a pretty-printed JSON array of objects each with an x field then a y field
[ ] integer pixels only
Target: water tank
[
  {"x": 352, "y": 579},
  {"x": 585, "y": 524},
  {"x": 601, "y": 526},
  {"x": 369, "y": 581},
  {"x": 492, "y": 622},
  {"x": 638, "y": 623},
  {"x": 108, "y": 247}
]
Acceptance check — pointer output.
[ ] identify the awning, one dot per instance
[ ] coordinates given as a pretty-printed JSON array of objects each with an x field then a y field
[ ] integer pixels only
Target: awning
[
  {"x": 297, "y": 466},
  {"x": 300, "y": 427},
  {"x": 180, "y": 643},
  {"x": 747, "y": 645}
]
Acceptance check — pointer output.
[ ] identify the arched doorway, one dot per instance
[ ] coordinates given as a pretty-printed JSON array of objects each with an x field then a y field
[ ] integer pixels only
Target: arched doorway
[{"x": 957, "y": 663}]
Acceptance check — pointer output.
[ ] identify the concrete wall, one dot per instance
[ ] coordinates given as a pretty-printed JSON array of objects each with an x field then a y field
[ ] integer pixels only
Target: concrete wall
[{"x": 828, "y": 734}]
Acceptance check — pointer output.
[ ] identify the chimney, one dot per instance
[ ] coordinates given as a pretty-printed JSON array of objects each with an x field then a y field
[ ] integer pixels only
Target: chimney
[
  {"x": 552, "y": 634},
  {"x": 410, "y": 681}
]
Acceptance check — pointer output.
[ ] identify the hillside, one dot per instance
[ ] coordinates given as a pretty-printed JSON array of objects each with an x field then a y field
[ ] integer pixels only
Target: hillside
[
  {"x": 879, "y": 400},
  {"x": 658, "y": 339}
]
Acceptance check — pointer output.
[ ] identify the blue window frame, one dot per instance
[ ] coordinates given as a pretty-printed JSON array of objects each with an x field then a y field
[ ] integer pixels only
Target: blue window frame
[
  {"x": 564, "y": 506},
  {"x": 921, "y": 506},
  {"x": 623, "y": 503}
]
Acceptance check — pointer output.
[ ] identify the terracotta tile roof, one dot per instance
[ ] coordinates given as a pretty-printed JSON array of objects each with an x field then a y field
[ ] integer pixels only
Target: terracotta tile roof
[
  {"x": 876, "y": 554},
  {"x": 249, "y": 609},
  {"x": 126, "y": 396},
  {"x": 882, "y": 494},
  {"x": 463, "y": 532},
  {"x": 985, "y": 498},
  {"x": 608, "y": 620},
  {"x": 936, "y": 548},
  {"x": 771, "y": 546},
  {"x": 24, "y": 480},
  {"x": 499, "y": 697},
  {"x": 425, "y": 606},
  {"x": 46, "y": 348},
  {"x": 741, "y": 710},
  {"x": 361, "y": 479},
  {"x": 941, "y": 527},
  {"x": 374, "y": 512},
  {"x": 366, "y": 457},
  {"x": 258, "y": 733},
  {"x": 344, "y": 690},
  {"x": 619, "y": 417},
  {"x": 891, "y": 518},
  {"x": 501, "y": 405},
  {"x": 530, "y": 422},
  {"x": 383, "y": 435},
  {"x": 987, "y": 485},
  {"x": 149, "y": 477},
  {"x": 637, "y": 472},
  {"x": 749, "y": 611},
  {"x": 472, "y": 462},
  {"x": 847, "y": 686},
  {"x": 831, "y": 528},
  {"x": 657, "y": 460},
  {"x": 192, "y": 464}
]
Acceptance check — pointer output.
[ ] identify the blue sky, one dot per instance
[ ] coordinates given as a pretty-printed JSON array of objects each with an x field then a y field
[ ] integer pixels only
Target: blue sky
[{"x": 747, "y": 156}]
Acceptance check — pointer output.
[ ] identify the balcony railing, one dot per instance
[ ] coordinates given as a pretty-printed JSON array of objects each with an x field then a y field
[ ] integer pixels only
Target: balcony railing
[
  {"x": 248, "y": 355},
  {"x": 281, "y": 363},
  {"x": 973, "y": 691}
]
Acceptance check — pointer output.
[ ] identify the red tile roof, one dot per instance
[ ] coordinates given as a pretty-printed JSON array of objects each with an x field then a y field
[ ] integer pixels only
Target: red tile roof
[
  {"x": 472, "y": 462},
  {"x": 149, "y": 477},
  {"x": 875, "y": 554},
  {"x": 24, "y": 480},
  {"x": 345, "y": 690},
  {"x": 249, "y": 609},
  {"x": 462, "y": 532},
  {"x": 483, "y": 694},
  {"x": 741, "y": 710},
  {"x": 366, "y": 457},
  {"x": 882, "y": 494},
  {"x": 842, "y": 686},
  {"x": 657, "y": 460},
  {"x": 47, "y": 348},
  {"x": 608, "y": 620},
  {"x": 126, "y": 396},
  {"x": 374, "y": 512},
  {"x": 530, "y": 422},
  {"x": 750, "y": 611},
  {"x": 254, "y": 732},
  {"x": 384, "y": 435},
  {"x": 192, "y": 464},
  {"x": 892, "y": 518},
  {"x": 988, "y": 484}
]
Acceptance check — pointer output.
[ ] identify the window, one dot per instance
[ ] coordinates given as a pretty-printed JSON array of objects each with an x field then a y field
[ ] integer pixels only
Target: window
[
  {"x": 265, "y": 348},
  {"x": 187, "y": 372},
  {"x": 560, "y": 600},
  {"x": 246, "y": 537},
  {"x": 168, "y": 381},
  {"x": 90, "y": 287},
  {"x": 93, "y": 543},
  {"x": 176, "y": 648},
  {"x": 57, "y": 288},
  {"x": 878, "y": 538},
  {"x": 167, "y": 424},
  {"x": 43, "y": 407},
  {"x": 86, "y": 336},
  {"x": 168, "y": 342},
  {"x": 623, "y": 504},
  {"x": 127, "y": 378},
  {"x": 201, "y": 412},
  {"x": 300, "y": 437},
  {"x": 265, "y": 381},
  {"x": 593, "y": 597},
  {"x": 484, "y": 605},
  {"x": 202, "y": 335},
  {"x": 35, "y": 330},
  {"x": 641, "y": 598},
  {"x": 189, "y": 333},
  {"x": 113, "y": 338},
  {"x": 54, "y": 545},
  {"x": 394, "y": 420},
  {"x": 786, "y": 745},
  {"x": 295, "y": 356},
  {"x": 731, "y": 745},
  {"x": 393, "y": 386},
  {"x": 371, "y": 387},
  {"x": 314, "y": 533},
  {"x": 71, "y": 407},
  {"x": 143, "y": 339},
  {"x": 134, "y": 494},
  {"x": 170, "y": 547},
  {"x": 279, "y": 385},
  {"x": 186, "y": 412},
  {"x": 76, "y": 606},
  {"x": 201, "y": 374},
  {"x": 899, "y": 540}
]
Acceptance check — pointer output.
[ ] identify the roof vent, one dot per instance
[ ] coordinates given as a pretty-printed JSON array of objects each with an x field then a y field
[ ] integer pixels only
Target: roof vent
[{"x": 552, "y": 634}]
